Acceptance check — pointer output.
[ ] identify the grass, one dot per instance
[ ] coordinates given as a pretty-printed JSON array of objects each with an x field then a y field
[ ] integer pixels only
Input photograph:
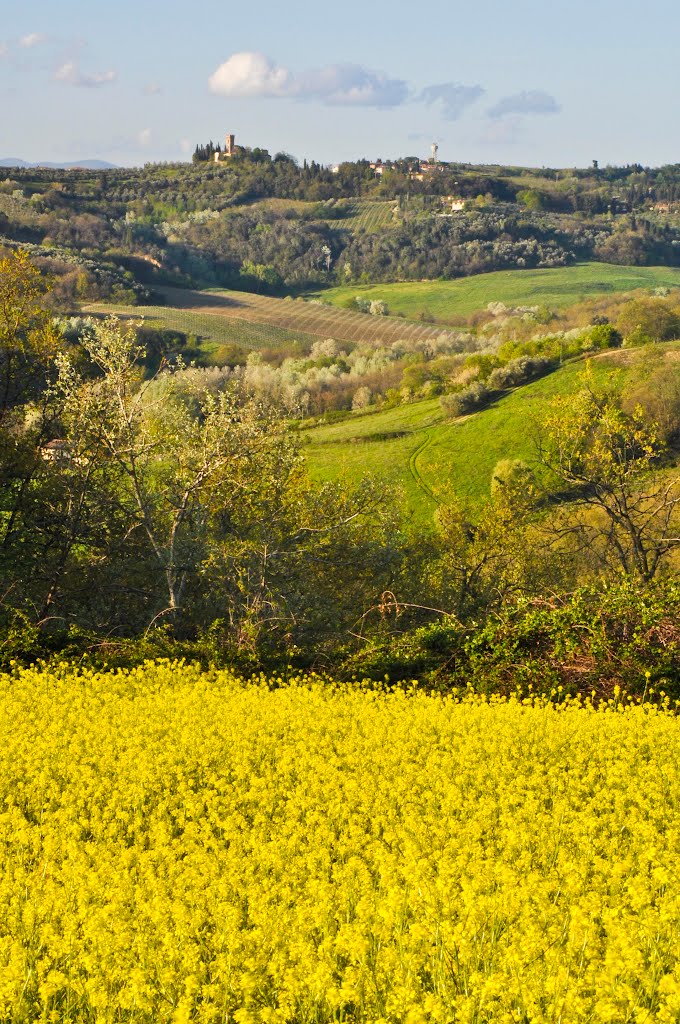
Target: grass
[
  {"x": 429, "y": 458},
  {"x": 255, "y": 321},
  {"x": 216, "y": 333},
  {"x": 368, "y": 216},
  {"x": 558, "y": 288}
]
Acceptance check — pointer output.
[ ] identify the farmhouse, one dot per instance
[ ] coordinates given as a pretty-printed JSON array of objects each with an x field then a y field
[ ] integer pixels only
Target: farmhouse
[{"x": 56, "y": 451}]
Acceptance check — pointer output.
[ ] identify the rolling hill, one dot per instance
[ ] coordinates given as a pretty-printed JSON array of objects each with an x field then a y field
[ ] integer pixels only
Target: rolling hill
[
  {"x": 557, "y": 288},
  {"x": 429, "y": 458}
]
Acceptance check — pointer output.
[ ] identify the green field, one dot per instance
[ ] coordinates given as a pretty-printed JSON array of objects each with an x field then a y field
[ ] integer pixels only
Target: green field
[
  {"x": 216, "y": 333},
  {"x": 223, "y": 317},
  {"x": 558, "y": 288},
  {"x": 429, "y": 458},
  {"x": 373, "y": 216}
]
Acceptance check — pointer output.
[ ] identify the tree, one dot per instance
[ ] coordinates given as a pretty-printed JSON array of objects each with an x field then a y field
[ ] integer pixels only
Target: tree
[
  {"x": 488, "y": 557},
  {"x": 28, "y": 341},
  {"x": 28, "y": 344},
  {"x": 654, "y": 386},
  {"x": 173, "y": 467},
  {"x": 623, "y": 506},
  {"x": 649, "y": 320}
]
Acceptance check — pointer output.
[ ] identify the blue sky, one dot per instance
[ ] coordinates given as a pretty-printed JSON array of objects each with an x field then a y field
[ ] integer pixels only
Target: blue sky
[{"x": 512, "y": 81}]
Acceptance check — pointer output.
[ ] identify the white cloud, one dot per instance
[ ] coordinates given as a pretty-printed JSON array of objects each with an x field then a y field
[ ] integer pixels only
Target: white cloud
[
  {"x": 454, "y": 98},
  {"x": 351, "y": 85},
  {"x": 144, "y": 137},
  {"x": 250, "y": 74},
  {"x": 70, "y": 74},
  {"x": 533, "y": 102},
  {"x": 32, "y": 39},
  {"x": 255, "y": 75}
]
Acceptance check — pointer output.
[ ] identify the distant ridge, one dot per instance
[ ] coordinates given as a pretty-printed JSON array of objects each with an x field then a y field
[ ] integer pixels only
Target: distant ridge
[{"x": 86, "y": 165}]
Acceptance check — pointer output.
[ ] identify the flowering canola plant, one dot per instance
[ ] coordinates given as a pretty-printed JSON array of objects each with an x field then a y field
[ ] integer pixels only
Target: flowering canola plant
[{"x": 181, "y": 846}]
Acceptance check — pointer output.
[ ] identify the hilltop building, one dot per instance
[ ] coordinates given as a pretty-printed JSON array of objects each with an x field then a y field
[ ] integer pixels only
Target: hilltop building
[{"x": 230, "y": 149}]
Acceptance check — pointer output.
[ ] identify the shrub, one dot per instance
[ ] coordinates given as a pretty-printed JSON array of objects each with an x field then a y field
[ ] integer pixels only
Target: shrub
[
  {"x": 510, "y": 474},
  {"x": 466, "y": 401},
  {"x": 518, "y": 371},
  {"x": 604, "y": 336}
]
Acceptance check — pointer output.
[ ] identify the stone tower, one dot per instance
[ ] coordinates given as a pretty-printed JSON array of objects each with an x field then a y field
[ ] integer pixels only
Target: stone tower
[{"x": 230, "y": 145}]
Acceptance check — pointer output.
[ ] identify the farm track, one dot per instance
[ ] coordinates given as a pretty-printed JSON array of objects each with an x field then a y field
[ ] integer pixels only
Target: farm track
[
  {"x": 413, "y": 466},
  {"x": 317, "y": 320}
]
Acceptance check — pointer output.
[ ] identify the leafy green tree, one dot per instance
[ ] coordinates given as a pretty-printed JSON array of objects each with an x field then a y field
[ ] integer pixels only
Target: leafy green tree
[
  {"x": 172, "y": 466},
  {"x": 28, "y": 341},
  {"x": 648, "y": 320},
  {"x": 623, "y": 507},
  {"x": 654, "y": 386}
]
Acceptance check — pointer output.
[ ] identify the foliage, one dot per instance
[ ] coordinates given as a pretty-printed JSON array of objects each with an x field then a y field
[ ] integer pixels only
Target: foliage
[
  {"x": 467, "y": 400},
  {"x": 599, "y": 637},
  {"x": 609, "y": 461},
  {"x": 654, "y": 386},
  {"x": 27, "y": 337},
  {"x": 649, "y": 320}
]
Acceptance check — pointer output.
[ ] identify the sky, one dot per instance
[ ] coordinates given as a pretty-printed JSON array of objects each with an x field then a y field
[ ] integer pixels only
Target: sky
[{"x": 549, "y": 83}]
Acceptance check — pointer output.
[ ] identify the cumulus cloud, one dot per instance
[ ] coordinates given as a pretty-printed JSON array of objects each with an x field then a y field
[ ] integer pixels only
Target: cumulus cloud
[
  {"x": 70, "y": 74},
  {"x": 533, "y": 102},
  {"x": 32, "y": 39},
  {"x": 254, "y": 74},
  {"x": 250, "y": 74},
  {"x": 351, "y": 85},
  {"x": 454, "y": 98}
]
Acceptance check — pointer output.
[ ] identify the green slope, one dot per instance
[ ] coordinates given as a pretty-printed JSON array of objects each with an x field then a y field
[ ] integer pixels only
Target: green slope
[
  {"x": 556, "y": 288},
  {"x": 430, "y": 458},
  {"x": 217, "y": 334}
]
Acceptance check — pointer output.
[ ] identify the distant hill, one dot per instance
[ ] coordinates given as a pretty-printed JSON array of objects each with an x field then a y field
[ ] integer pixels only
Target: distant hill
[{"x": 87, "y": 165}]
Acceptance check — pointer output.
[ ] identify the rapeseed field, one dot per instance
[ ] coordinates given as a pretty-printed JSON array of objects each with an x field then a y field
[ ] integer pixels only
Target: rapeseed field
[{"x": 178, "y": 846}]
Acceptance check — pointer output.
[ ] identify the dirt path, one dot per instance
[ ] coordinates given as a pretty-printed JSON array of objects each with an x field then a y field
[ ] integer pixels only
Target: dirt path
[{"x": 413, "y": 466}]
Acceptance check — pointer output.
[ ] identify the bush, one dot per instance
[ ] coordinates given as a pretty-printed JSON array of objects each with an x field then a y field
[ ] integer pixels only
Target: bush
[
  {"x": 518, "y": 371},
  {"x": 511, "y": 474},
  {"x": 604, "y": 336},
  {"x": 460, "y": 403}
]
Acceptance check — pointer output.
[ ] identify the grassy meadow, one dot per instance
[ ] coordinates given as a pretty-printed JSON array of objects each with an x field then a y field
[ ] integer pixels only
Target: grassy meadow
[
  {"x": 557, "y": 288},
  {"x": 218, "y": 334},
  {"x": 222, "y": 317},
  {"x": 429, "y": 457},
  {"x": 178, "y": 846}
]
